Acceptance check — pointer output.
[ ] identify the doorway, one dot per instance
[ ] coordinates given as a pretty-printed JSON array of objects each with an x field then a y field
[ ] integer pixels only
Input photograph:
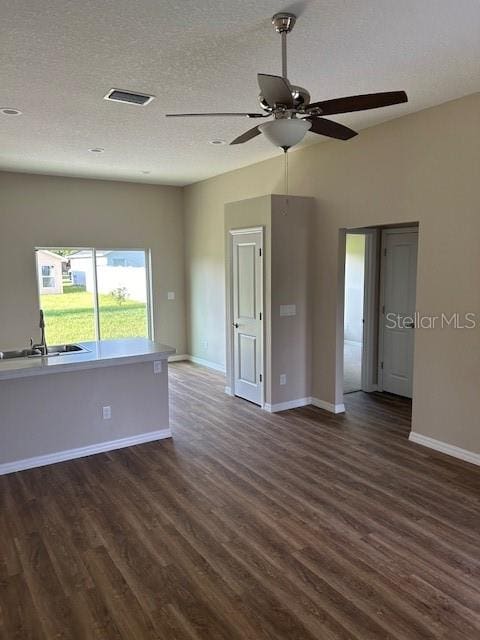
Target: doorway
[
  {"x": 379, "y": 309},
  {"x": 247, "y": 313},
  {"x": 354, "y": 311}
]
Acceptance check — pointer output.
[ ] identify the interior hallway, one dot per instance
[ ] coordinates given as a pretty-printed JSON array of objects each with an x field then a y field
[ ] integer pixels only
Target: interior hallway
[
  {"x": 352, "y": 366},
  {"x": 248, "y": 525}
]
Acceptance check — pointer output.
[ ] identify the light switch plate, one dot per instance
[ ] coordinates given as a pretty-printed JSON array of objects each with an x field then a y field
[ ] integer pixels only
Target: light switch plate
[
  {"x": 171, "y": 295},
  {"x": 283, "y": 378},
  {"x": 288, "y": 310},
  {"x": 157, "y": 366}
]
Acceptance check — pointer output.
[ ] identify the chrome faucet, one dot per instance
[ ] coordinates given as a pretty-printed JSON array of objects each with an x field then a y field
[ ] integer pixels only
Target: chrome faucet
[{"x": 42, "y": 346}]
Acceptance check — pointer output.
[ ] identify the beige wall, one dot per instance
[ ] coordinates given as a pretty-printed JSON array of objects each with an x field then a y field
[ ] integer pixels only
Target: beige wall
[
  {"x": 291, "y": 284},
  {"x": 424, "y": 167},
  {"x": 287, "y": 340},
  {"x": 61, "y": 212},
  {"x": 47, "y": 414}
]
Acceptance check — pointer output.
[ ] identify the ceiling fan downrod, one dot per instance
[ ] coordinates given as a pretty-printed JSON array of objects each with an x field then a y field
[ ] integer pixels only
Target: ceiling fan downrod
[{"x": 284, "y": 23}]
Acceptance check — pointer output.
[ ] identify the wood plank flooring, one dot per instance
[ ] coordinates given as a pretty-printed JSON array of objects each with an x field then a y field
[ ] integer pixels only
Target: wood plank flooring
[{"x": 247, "y": 526}]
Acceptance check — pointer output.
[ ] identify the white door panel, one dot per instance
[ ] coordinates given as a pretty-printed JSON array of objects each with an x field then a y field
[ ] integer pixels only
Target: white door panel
[
  {"x": 247, "y": 315},
  {"x": 247, "y": 370},
  {"x": 399, "y": 274},
  {"x": 246, "y": 281}
]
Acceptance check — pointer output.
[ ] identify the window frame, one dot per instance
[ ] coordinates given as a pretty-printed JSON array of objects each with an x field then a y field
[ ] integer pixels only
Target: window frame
[
  {"x": 96, "y": 309},
  {"x": 50, "y": 276}
]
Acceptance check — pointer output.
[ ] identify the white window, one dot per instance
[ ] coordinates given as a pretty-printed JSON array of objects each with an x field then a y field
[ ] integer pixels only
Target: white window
[
  {"x": 98, "y": 298},
  {"x": 48, "y": 276}
]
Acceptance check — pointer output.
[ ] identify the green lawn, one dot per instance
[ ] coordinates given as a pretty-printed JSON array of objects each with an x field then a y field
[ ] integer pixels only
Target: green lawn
[{"x": 69, "y": 316}]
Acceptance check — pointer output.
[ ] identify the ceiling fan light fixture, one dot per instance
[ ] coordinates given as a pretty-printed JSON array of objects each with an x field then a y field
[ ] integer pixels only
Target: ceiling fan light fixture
[{"x": 285, "y": 132}]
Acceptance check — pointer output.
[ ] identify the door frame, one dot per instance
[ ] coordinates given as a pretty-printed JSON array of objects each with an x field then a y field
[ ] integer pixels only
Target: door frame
[
  {"x": 370, "y": 296},
  {"x": 232, "y": 233},
  {"x": 385, "y": 232},
  {"x": 369, "y": 361}
]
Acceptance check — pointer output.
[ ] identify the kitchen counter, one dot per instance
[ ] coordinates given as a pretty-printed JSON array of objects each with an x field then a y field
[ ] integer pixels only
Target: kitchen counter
[
  {"x": 113, "y": 395},
  {"x": 105, "y": 353}
]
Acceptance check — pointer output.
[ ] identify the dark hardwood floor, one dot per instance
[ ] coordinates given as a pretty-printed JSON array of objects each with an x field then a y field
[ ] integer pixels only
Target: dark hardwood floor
[{"x": 247, "y": 525}]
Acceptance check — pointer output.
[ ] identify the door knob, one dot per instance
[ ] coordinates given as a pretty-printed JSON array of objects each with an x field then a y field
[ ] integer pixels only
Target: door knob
[{"x": 235, "y": 324}]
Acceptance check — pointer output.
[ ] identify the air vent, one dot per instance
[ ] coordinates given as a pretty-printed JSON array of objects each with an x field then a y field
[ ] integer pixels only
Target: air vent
[{"x": 119, "y": 95}]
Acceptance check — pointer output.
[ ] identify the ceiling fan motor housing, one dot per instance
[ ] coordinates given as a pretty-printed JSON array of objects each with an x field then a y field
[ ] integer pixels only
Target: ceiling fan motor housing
[{"x": 300, "y": 97}]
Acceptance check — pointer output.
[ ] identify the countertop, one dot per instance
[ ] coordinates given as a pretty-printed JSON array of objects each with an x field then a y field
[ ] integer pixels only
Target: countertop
[{"x": 105, "y": 353}]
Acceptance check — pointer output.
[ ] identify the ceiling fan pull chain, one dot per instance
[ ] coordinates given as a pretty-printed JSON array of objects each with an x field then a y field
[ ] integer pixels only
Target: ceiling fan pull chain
[
  {"x": 285, "y": 154},
  {"x": 286, "y": 181},
  {"x": 286, "y": 172}
]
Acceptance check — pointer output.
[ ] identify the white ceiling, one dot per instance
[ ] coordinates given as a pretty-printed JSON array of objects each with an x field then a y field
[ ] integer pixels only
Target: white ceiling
[{"x": 60, "y": 57}]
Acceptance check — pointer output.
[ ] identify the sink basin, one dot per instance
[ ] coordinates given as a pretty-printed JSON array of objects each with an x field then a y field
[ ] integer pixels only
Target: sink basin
[
  {"x": 65, "y": 348},
  {"x": 53, "y": 350}
]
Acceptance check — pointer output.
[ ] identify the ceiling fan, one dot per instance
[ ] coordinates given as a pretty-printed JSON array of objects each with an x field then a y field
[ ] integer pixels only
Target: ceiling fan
[{"x": 291, "y": 108}]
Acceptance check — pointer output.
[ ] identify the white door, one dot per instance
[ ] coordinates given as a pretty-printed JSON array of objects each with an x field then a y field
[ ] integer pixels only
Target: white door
[
  {"x": 247, "y": 310},
  {"x": 399, "y": 275}
]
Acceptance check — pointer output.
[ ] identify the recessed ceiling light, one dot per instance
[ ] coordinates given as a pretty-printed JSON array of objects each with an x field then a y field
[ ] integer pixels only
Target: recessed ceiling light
[
  {"x": 8, "y": 111},
  {"x": 97, "y": 150},
  {"x": 217, "y": 141},
  {"x": 146, "y": 172}
]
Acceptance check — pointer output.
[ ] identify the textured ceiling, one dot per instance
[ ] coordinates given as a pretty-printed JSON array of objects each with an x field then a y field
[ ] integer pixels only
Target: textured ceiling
[{"x": 60, "y": 57}]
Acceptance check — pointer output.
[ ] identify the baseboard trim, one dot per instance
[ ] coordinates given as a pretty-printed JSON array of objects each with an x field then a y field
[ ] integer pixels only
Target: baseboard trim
[
  {"x": 207, "y": 363},
  {"x": 179, "y": 358},
  {"x": 82, "y": 452},
  {"x": 328, "y": 406},
  {"x": 271, "y": 408},
  {"x": 303, "y": 402},
  {"x": 204, "y": 363},
  {"x": 285, "y": 406},
  {"x": 444, "y": 447}
]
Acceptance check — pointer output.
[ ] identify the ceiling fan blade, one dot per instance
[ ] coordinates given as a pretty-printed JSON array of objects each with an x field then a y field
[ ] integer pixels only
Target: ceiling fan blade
[
  {"x": 330, "y": 129},
  {"x": 276, "y": 90},
  {"x": 248, "y": 135},
  {"x": 360, "y": 103},
  {"x": 208, "y": 115}
]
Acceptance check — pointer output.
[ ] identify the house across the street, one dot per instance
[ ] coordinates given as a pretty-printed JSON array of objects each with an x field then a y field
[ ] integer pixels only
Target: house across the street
[
  {"x": 115, "y": 269},
  {"x": 49, "y": 269}
]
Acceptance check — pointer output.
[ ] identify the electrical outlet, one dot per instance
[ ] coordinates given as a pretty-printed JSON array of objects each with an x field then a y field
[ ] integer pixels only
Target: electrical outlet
[
  {"x": 204, "y": 344},
  {"x": 157, "y": 366},
  {"x": 107, "y": 413},
  {"x": 283, "y": 378}
]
